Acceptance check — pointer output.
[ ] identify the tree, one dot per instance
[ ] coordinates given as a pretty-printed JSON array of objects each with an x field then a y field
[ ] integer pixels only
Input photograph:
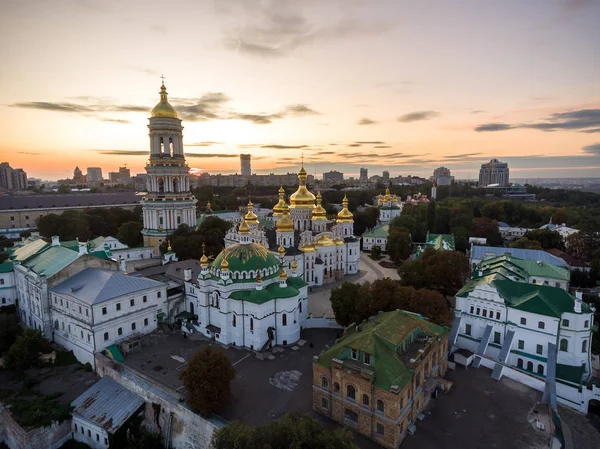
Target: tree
[
  {"x": 349, "y": 302},
  {"x": 295, "y": 430},
  {"x": 376, "y": 252},
  {"x": 207, "y": 380},
  {"x": 404, "y": 221},
  {"x": 399, "y": 244},
  {"x": 130, "y": 233},
  {"x": 24, "y": 353},
  {"x": 525, "y": 243},
  {"x": 488, "y": 229},
  {"x": 3, "y": 256},
  {"x": 431, "y": 216},
  {"x": 582, "y": 245},
  {"x": 64, "y": 188},
  {"x": 9, "y": 331},
  {"x": 548, "y": 239}
]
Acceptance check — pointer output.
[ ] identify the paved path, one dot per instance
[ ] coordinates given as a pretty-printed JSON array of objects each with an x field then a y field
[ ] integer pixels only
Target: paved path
[{"x": 318, "y": 297}]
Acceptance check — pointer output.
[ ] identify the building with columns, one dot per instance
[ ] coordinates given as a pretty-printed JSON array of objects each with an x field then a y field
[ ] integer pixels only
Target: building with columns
[
  {"x": 169, "y": 201},
  {"x": 324, "y": 249}
]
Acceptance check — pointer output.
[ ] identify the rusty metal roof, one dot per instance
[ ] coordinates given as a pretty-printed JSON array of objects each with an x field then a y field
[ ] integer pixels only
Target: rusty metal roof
[{"x": 107, "y": 404}]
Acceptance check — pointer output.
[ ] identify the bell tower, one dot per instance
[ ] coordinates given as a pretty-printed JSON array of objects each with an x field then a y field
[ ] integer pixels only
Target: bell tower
[{"x": 168, "y": 201}]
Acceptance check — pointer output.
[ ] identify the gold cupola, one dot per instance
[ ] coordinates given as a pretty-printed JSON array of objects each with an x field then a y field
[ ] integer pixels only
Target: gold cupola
[
  {"x": 285, "y": 223},
  {"x": 380, "y": 199},
  {"x": 387, "y": 198},
  {"x": 319, "y": 212},
  {"x": 224, "y": 265},
  {"x": 281, "y": 250},
  {"x": 345, "y": 216},
  {"x": 282, "y": 274},
  {"x": 163, "y": 108},
  {"x": 302, "y": 198},
  {"x": 278, "y": 209},
  {"x": 244, "y": 228},
  {"x": 204, "y": 259},
  {"x": 251, "y": 217}
]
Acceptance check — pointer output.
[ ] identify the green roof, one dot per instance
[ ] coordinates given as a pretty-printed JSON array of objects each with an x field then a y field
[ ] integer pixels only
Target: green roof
[
  {"x": 24, "y": 252},
  {"x": 441, "y": 241},
  {"x": 570, "y": 373},
  {"x": 534, "y": 298},
  {"x": 382, "y": 336},
  {"x": 71, "y": 244},
  {"x": 247, "y": 257},
  {"x": 508, "y": 265},
  {"x": 95, "y": 242},
  {"x": 381, "y": 231},
  {"x": 271, "y": 291},
  {"x": 51, "y": 260},
  {"x": 6, "y": 267},
  {"x": 115, "y": 353}
]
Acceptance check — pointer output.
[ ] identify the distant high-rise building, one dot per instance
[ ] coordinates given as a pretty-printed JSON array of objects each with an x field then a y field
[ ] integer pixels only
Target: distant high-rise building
[
  {"x": 246, "y": 165},
  {"x": 78, "y": 176},
  {"x": 334, "y": 176},
  {"x": 94, "y": 176},
  {"x": 124, "y": 175},
  {"x": 493, "y": 172},
  {"x": 386, "y": 176},
  {"x": 441, "y": 176},
  {"x": 12, "y": 178},
  {"x": 113, "y": 176},
  {"x": 364, "y": 175}
]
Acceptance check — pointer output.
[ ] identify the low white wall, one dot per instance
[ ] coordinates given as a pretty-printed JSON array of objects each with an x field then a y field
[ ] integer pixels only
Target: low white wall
[{"x": 321, "y": 323}]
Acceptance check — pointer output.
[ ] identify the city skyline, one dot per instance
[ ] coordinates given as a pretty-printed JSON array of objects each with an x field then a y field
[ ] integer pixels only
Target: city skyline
[{"x": 386, "y": 85}]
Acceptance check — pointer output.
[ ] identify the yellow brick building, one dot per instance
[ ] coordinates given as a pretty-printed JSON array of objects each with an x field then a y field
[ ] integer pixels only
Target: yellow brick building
[{"x": 380, "y": 375}]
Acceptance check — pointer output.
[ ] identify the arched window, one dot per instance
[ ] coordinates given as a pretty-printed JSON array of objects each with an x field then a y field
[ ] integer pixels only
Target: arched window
[
  {"x": 540, "y": 369},
  {"x": 55, "y": 324},
  {"x": 584, "y": 346},
  {"x": 365, "y": 400},
  {"x": 233, "y": 321},
  {"x": 351, "y": 392},
  {"x": 325, "y": 383},
  {"x": 336, "y": 387},
  {"x": 284, "y": 319},
  {"x": 300, "y": 307},
  {"x": 171, "y": 147},
  {"x": 565, "y": 323},
  {"x": 529, "y": 366},
  {"x": 161, "y": 185},
  {"x": 519, "y": 363},
  {"x": 251, "y": 325},
  {"x": 541, "y": 325},
  {"x": 162, "y": 146},
  {"x": 175, "y": 185},
  {"x": 380, "y": 406},
  {"x": 564, "y": 345}
]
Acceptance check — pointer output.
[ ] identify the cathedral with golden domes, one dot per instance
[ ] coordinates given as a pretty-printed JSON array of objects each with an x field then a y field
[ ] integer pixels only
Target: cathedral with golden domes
[{"x": 324, "y": 250}]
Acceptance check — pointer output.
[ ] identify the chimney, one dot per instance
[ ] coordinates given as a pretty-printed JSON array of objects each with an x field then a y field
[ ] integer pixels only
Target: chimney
[
  {"x": 82, "y": 248},
  {"x": 55, "y": 240},
  {"x": 122, "y": 265},
  {"x": 187, "y": 274},
  {"x": 578, "y": 301},
  {"x": 480, "y": 273}
]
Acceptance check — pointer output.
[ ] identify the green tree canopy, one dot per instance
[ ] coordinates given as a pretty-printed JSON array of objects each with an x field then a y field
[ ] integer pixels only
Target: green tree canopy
[
  {"x": 130, "y": 233},
  {"x": 548, "y": 239},
  {"x": 294, "y": 431},
  {"x": 399, "y": 244},
  {"x": 24, "y": 353},
  {"x": 9, "y": 331},
  {"x": 488, "y": 229},
  {"x": 525, "y": 243},
  {"x": 207, "y": 380}
]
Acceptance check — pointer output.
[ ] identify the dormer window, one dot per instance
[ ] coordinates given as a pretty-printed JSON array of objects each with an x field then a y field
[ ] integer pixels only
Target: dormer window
[{"x": 354, "y": 354}]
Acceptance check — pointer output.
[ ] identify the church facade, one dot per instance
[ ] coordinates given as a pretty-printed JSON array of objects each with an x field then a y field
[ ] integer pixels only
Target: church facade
[
  {"x": 169, "y": 201},
  {"x": 300, "y": 234}
]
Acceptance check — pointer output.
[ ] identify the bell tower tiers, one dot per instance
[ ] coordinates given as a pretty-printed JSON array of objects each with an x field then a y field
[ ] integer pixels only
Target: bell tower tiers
[{"x": 168, "y": 202}]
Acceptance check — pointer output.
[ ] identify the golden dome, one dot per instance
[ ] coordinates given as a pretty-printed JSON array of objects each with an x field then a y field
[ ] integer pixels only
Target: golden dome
[
  {"x": 278, "y": 209},
  {"x": 380, "y": 199},
  {"x": 244, "y": 228},
  {"x": 319, "y": 212},
  {"x": 394, "y": 198},
  {"x": 325, "y": 240},
  {"x": 281, "y": 250},
  {"x": 387, "y": 197},
  {"x": 345, "y": 216},
  {"x": 302, "y": 198},
  {"x": 294, "y": 265},
  {"x": 163, "y": 108},
  {"x": 204, "y": 261},
  {"x": 282, "y": 274},
  {"x": 224, "y": 265},
  {"x": 285, "y": 223},
  {"x": 307, "y": 248},
  {"x": 251, "y": 217},
  {"x": 339, "y": 241}
]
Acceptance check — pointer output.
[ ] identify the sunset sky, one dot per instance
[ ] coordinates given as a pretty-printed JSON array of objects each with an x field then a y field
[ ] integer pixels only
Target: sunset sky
[{"x": 397, "y": 85}]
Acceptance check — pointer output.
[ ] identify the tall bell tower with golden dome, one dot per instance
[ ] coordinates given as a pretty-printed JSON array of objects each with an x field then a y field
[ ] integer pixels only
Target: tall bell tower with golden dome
[{"x": 168, "y": 202}]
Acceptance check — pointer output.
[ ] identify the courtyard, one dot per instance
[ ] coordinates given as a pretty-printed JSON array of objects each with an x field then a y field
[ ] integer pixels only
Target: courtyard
[
  {"x": 319, "y": 303},
  {"x": 262, "y": 389}
]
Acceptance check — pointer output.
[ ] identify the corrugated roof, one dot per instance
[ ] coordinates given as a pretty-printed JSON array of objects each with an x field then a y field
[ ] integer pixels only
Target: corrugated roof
[
  {"x": 6, "y": 267},
  {"x": 94, "y": 285},
  {"x": 115, "y": 199},
  {"x": 51, "y": 260},
  {"x": 441, "y": 241},
  {"x": 526, "y": 267},
  {"x": 479, "y": 253},
  {"x": 107, "y": 404},
  {"x": 27, "y": 250}
]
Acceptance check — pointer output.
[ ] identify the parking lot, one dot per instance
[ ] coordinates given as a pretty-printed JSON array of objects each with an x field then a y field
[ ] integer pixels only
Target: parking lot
[{"x": 262, "y": 389}]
